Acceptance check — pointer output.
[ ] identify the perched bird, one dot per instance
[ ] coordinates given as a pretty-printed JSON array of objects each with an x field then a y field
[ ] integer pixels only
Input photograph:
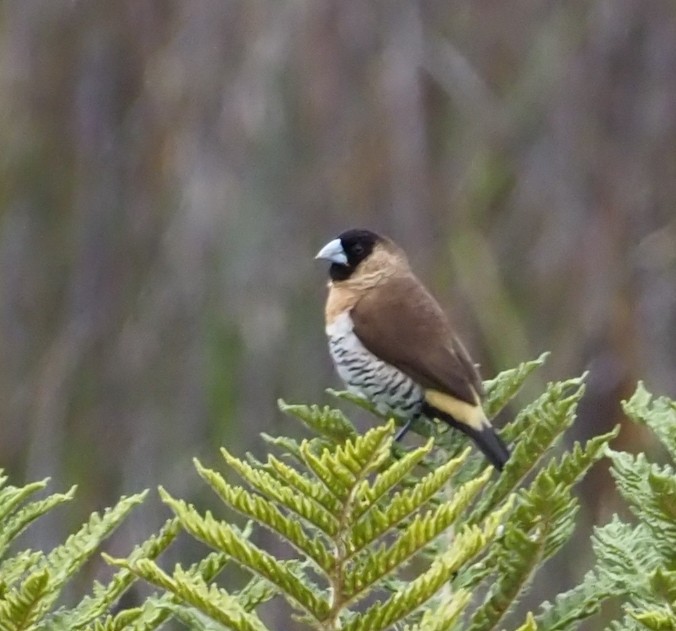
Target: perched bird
[{"x": 392, "y": 343}]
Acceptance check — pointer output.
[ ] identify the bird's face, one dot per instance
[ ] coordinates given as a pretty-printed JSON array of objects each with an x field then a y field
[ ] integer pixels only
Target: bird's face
[{"x": 349, "y": 251}]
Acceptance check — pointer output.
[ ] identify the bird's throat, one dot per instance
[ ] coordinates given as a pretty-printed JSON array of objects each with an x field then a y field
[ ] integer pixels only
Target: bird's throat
[{"x": 338, "y": 272}]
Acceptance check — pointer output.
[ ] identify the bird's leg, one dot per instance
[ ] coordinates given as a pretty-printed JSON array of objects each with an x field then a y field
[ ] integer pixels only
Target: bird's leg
[{"x": 404, "y": 429}]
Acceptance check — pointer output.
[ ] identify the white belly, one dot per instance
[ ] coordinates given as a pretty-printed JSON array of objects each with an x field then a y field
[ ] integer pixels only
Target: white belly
[{"x": 392, "y": 391}]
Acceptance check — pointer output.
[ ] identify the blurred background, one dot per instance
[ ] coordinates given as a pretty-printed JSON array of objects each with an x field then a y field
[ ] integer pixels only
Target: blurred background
[{"x": 169, "y": 169}]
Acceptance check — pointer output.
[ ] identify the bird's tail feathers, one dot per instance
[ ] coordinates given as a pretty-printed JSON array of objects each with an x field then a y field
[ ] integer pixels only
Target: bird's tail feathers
[{"x": 486, "y": 438}]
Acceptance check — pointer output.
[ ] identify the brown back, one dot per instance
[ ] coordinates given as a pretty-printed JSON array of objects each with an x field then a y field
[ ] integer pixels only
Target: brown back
[{"x": 400, "y": 322}]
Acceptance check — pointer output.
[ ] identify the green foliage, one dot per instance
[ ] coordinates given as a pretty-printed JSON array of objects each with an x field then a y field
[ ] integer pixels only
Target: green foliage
[
  {"x": 635, "y": 561},
  {"x": 385, "y": 537},
  {"x": 32, "y": 582},
  {"x": 639, "y": 560},
  {"x": 377, "y": 536},
  {"x": 352, "y": 527},
  {"x": 657, "y": 414}
]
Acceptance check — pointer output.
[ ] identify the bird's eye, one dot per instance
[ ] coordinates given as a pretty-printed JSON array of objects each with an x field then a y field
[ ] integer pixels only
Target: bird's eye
[{"x": 358, "y": 249}]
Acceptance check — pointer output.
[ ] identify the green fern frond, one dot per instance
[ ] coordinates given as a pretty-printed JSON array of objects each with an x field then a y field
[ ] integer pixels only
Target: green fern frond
[
  {"x": 192, "y": 618},
  {"x": 467, "y": 544},
  {"x": 155, "y": 610},
  {"x": 503, "y": 388},
  {"x": 14, "y": 568},
  {"x": 64, "y": 560},
  {"x": 639, "y": 561},
  {"x": 326, "y": 421},
  {"x": 223, "y": 537},
  {"x": 541, "y": 523},
  {"x": 342, "y": 469},
  {"x": 663, "y": 585},
  {"x": 14, "y": 521},
  {"x": 371, "y": 568},
  {"x": 23, "y": 606},
  {"x": 530, "y": 624},
  {"x": 105, "y": 597},
  {"x": 550, "y": 490},
  {"x": 265, "y": 513},
  {"x": 549, "y": 496},
  {"x": 657, "y": 619},
  {"x": 368, "y": 494},
  {"x": 303, "y": 484},
  {"x": 655, "y": 607},
  {"x": 626, "y": 624},
  {"x": 304, "y": 506},
  {"x": 444, "y": 615},
  {"x": 11, "y": 497},
  {"x": 629, "y": 564},
  {"x": 356, "y": 399},
  {"x": 348, "y": 497},
  {"x": 31, "y": 582},
  {"x": 577, "y": 604},
  {"x": 650, "y": 491},
  {"x": 188, "y": 587},
  {"x": 659, "y": 414},
  {"x": 547, "y": 508},
  {"x": 626, "y": 554},
  {"x": 553, "y": 408},
  {"x": 574, "y": 464},
  {"x": 538, "y": 427},
  {"x": 125, "y": 620},
  {"x": 288, "y": 446},
  {"x": 120, "y": 622},
  {"x": 371, "y": 520},
  {"x": 358, "y": 510},
  {"x": 525, "y": 554},
  {"x": 255, "y": 593}
]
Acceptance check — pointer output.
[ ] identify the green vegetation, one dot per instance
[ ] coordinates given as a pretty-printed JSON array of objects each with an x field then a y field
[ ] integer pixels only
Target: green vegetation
[{"x": 377, "y": 536}]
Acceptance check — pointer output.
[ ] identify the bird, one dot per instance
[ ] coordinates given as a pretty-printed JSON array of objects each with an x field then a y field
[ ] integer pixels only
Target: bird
[{"x": 392, "y": 343}]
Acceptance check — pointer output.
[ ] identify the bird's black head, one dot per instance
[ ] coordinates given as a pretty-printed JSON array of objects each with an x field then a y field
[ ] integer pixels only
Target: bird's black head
[
  {"x": 357, "y": 245},
  {"x": 347, "y": 251}
]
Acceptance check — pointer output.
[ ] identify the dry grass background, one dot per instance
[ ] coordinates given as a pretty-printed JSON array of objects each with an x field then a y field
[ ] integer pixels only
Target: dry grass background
[{"x": 168, "y": 170}]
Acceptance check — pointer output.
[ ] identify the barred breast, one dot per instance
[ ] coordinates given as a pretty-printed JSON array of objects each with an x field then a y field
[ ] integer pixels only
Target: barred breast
[{"x": 387, "y": 387}]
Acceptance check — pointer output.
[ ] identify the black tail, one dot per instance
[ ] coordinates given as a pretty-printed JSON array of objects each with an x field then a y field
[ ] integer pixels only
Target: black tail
[{"x": 486, "y": 440}]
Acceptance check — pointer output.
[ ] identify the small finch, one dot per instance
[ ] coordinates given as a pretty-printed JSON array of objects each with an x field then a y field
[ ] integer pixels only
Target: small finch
[{"x": 392, "y": 343}]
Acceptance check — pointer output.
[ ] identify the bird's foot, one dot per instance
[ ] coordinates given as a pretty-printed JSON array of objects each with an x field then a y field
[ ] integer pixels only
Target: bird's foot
[{"x": 403, "y": 431}]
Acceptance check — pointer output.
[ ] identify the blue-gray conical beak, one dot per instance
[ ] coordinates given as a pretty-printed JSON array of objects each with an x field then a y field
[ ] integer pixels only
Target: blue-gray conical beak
[{"x": 333, "y": 251}]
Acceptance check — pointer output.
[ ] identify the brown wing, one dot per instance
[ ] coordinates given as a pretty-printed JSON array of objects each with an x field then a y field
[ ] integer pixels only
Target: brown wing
[{"x": 402, "y": 324}]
